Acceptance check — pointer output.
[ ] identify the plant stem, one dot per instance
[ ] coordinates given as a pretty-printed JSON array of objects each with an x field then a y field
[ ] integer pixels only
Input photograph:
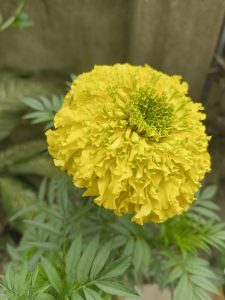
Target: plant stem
[{"x": 11, "y": 19}]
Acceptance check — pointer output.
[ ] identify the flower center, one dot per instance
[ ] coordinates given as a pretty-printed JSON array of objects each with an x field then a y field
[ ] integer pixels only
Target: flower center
[{"x": 149, "y": 114}]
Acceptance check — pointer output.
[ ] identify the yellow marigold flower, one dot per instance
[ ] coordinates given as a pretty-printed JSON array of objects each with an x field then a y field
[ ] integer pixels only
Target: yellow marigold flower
[{"x": 132, "y": 138}]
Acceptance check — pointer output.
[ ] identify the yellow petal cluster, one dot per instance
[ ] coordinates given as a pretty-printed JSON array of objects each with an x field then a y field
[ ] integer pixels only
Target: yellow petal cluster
[{"x": 133, "y": 138}]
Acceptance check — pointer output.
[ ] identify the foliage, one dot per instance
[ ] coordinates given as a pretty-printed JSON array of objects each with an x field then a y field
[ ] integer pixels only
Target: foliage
[
  {"x": 79, "y": 273},
  {"x": 23, "y": 155},
  {"x": 13, "y": 89},
  {"x": 196, "y": 278},
  {"x": 45, "y": 109},
  {"x": 150, "y": 252}
]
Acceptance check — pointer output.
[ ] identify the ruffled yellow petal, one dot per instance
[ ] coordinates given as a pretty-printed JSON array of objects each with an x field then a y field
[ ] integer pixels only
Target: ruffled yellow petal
[{"x": 133, "y": 139}]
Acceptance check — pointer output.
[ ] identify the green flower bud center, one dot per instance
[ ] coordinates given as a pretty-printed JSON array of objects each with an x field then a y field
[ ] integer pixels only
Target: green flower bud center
[{"x": 149, "y": 114}]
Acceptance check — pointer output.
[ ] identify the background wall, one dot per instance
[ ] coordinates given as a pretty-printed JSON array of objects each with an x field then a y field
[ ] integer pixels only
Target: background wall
[{"x": 175, "y": 36}]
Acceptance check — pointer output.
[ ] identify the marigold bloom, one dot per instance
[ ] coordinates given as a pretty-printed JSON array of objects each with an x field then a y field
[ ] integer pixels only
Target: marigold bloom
[{"x": 132, "y": 138}]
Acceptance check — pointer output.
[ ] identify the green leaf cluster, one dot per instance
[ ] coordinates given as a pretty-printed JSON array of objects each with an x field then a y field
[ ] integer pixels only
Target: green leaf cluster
[
  {"x": 59, "y": 240},
  {"x": 79, "y": 273},
  {"x": 45, "y": 109}
]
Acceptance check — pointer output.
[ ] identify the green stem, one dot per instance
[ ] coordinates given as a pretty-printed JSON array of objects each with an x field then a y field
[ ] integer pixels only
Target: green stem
[{"x": 11, "y": 19}]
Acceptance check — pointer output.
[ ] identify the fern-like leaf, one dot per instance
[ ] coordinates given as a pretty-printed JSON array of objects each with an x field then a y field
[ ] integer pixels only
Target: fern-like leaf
[{"x": 44, "y": 109}]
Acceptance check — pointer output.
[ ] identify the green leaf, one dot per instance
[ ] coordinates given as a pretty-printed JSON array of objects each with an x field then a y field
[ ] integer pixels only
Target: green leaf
[
  {"x": 146, "y": 256},
  {"x": 43, "y": 226},
  {"x": 174, "y": 275},
  {"x": 116, "y": 268},
  {"x": 44, "y": 109},
  {"x": 118, "y": 241},
  {"x": 72, "y": 259},
  {"x": 138, "y": 254},
  {"x": 86, "y": 260},
  {"x": 53, "y": 212},
  {"x": 33, "y": 103},
  {"x": 57, "y": 102},
  {"x": 52, "y": 274},
  {"x": 132, "y": 228},
  {"x": 42, "y": 189},
  {"x": 45, "y": 296},
  {"x": 24, "y": 211},
  {"x": 202, "y": 294},
  {"x": 44, "y": 245},
  {"x": 183, "y": 290},
  {"x": 192, "y": 262},
  {"x": 9, "y": 277},
  {"x": 36, "y": 115},
  {"x": 205, "y": 284},
  {"x": 21, "y": 276},
  {"x": 77, "y": 296},
  {"x": 208, "y": 192},
  {"x": 116, "y": 288},
  {"x": 209, "y": 204},
  {"x": 120, "y": 228},
  {"x": 46, "y": 102},
  {"x": 202, "y": 272},
  {"x": 100, "y": 259},
  {"x": 90, "y": 294},
  {"x": 196, "y": 280},
  {"x": 206, "y": 213},
  {"x": 128, "y": 250}
]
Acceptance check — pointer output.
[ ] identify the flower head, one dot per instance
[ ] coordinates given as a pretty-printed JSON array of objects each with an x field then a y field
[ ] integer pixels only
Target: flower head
[{"x": 132, "y": 137}]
